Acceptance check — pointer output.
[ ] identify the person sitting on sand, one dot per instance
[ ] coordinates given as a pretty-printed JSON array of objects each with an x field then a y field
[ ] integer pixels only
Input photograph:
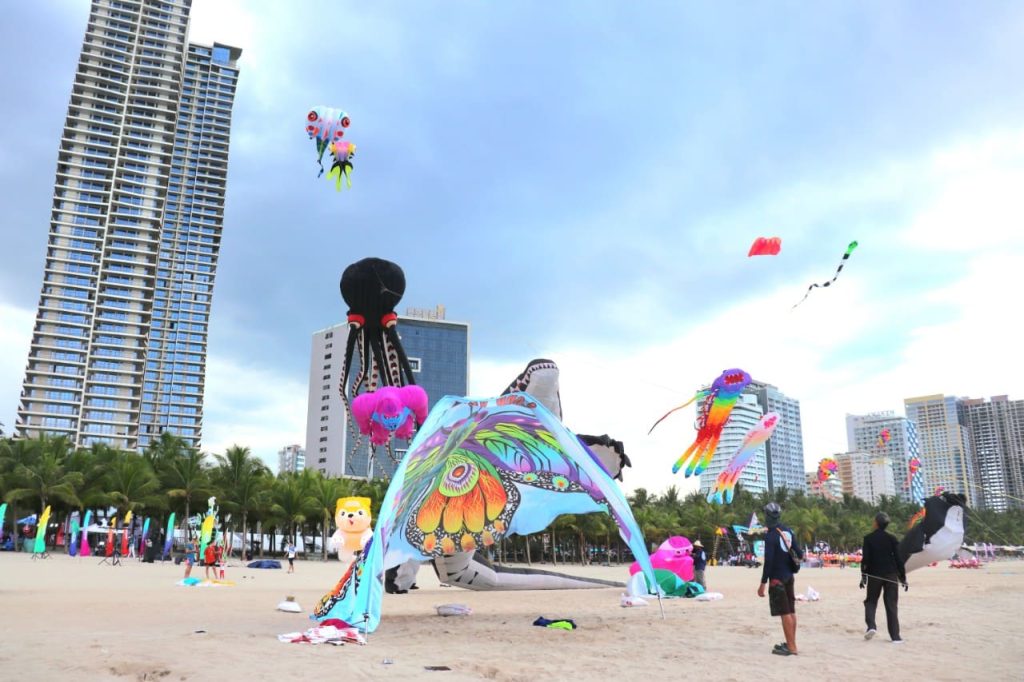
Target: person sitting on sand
[{"x": 778, "y": 573}]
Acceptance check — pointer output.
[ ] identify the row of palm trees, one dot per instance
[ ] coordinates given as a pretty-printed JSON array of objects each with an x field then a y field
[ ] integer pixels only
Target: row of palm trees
[{"x": 170, "y": 477}]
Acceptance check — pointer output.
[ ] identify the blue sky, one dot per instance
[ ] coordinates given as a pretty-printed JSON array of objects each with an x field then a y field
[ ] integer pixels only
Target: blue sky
[{"x": 582, "y": 180}]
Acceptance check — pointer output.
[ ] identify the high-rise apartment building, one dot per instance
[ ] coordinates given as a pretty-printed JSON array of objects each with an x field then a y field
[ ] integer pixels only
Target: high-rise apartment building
[
  {"x": 996, "y": 432},
  {"x": 884, "y": 435},
  {"x": 291, "y": 459},
  {"x": 438, "y": 352},
  {"x": 945, "y": 444},
  {"x": 866, "y": 475},
  {"x": 118, "y": 351},
  {"x": 784, "y": 451},
  {"x": 754, "y": 477}
]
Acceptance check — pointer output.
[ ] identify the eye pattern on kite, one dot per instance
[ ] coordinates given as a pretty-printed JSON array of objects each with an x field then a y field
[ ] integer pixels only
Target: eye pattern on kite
[
  {"x": 326, "y": 127},
  {"x": 478, "y": 470},
  {"x": 758, "y": 435},
  {"x": 846, "y": 257},
  {"x": 765, "y": 246}
]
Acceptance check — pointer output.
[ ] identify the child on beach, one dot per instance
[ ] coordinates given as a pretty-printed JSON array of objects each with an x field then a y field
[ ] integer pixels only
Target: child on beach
[
  {"x": 190, "y": 557},
  {"x": 290, "y": 549}
]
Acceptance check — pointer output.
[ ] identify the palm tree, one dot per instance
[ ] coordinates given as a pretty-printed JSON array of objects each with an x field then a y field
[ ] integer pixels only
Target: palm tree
[
  {"x": 94, "y": 463},
  {"x": 243, "y": 480},
  {"x": 46, "y": 479},
  {"x": 132, "y": 484},
  {"x": 14, "y": 454},
  {"x": 291, "y": 500},
  {"x": 187, "y": 478}
]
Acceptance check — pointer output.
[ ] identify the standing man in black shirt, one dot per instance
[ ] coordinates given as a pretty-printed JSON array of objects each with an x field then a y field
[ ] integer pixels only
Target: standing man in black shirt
[
  {"x": 777, "y": 574},
  {"x": 881, "y": 571}
]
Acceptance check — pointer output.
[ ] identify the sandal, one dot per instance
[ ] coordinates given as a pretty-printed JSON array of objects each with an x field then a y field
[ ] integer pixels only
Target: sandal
[{"x": 783, "y": 651}]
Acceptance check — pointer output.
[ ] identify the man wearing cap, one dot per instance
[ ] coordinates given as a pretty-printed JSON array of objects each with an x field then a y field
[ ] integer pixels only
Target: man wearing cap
[
  {"x": 700, "y": 561},
  {"x": 882, "y": 571},
  {"x": 778, "y": 575}
]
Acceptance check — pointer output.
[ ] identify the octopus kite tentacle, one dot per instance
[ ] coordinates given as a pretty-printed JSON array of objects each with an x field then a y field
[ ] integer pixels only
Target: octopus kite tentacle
[
  {"x": 372, "y": 288},
  {"x": 846, "y": 257}
]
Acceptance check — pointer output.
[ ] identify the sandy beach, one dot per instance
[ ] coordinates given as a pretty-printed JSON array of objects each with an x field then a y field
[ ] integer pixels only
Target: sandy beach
[{"x": 72, "y": 619}]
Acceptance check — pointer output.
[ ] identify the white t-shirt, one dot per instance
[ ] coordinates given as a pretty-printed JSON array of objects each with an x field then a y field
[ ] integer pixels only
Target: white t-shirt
[{"x": 291, "y": 551}]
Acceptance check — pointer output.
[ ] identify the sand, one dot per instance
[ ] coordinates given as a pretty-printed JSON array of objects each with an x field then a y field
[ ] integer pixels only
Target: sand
[{"x": 71, "y": 619}]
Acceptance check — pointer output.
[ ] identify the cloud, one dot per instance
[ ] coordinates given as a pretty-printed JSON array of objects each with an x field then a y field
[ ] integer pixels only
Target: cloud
[
  {"x": 253, "y": 406},
  {"x": 947, "y": 335},
  {"x": 15, "y": 337}
]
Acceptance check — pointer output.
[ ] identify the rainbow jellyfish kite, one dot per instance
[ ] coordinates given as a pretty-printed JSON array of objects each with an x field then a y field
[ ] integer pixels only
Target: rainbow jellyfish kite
[
  {"x": 725, "y": 484},
  {"x": 715, "y": 407}
]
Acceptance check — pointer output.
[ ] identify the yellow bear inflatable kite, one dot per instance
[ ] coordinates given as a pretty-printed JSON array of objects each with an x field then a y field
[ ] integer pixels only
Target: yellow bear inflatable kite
[{"x": 352, "y": 516}]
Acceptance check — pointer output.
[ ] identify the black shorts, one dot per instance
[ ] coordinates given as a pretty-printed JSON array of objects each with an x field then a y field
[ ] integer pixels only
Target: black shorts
[
  {"x": 781, "y": 597},
  {"x": 210, "y": 564},
  {"x": 291, "y": 561}
]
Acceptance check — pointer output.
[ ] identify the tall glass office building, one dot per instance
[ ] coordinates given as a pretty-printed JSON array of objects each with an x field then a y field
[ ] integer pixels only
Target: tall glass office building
[
  {"x": 864, "y": 434},
  {"x": 438, "y": 352},
  {"x": 119, "y": 346},
  {"x": 784, "y": 451}
]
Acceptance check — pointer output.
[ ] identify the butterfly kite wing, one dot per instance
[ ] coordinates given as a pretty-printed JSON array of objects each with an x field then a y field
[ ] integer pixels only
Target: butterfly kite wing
[{"x": 443, "y": 489}]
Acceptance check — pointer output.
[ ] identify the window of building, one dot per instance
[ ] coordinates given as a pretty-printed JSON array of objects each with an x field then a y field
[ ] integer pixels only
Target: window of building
[
  {"x": 416, "y": 364},
  {"x": 325, "y": 397},
  {"x": 324, "y": 408}
]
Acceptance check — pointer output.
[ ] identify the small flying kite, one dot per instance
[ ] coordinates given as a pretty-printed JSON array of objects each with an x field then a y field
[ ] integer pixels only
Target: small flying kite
[
  {"x": 765, "y": 246},
  {"x": 846, "y": 257}
]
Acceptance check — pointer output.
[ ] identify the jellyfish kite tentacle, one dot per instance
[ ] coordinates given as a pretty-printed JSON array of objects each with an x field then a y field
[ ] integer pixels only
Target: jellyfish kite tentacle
[
  {"x": 372, "y": 288},
  {"x": 758, "y": 435}
]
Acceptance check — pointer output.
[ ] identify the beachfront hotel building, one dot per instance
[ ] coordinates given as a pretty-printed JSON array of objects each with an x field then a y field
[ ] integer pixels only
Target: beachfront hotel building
[
  {"x": 438, "y": 351},
  {"x": 866, "y": 475},
  {"x": 118, "y": 351},
  {"x": 945, "y": 444},
  {"x": 996, "y": 433},
  {"x": 291, "y": 459},
  {"x": 753, "y": 478},
  {"x": 784, "y": 451},
  {"x": 864, "y": 434}
]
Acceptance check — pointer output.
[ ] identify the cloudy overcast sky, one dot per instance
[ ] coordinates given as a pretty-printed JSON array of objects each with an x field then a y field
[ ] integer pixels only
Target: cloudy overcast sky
[{"x": 581, "y": 181}]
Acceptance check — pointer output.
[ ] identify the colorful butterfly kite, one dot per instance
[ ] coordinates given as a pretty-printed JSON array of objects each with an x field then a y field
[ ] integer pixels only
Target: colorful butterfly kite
[
  {"x": 846, "y": 257},
  {"x": 717, "y": 403},
  {"x": 327, "y": 126},
  {"x": 765, "y": 246},
  {"x": 725, "y": 484},
  {"x": 477, "y": 471}
]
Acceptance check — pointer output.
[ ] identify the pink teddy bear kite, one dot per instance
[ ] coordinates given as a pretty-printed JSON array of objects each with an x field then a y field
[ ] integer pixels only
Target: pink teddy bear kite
[
  {"x": 673, "y": 555},
  {"x": 390, "y": 410}
]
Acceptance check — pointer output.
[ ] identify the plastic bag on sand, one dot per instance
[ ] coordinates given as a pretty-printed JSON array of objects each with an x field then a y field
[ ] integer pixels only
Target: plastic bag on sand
[
  {"x": 289, "y": 605},
  {"x": 632, "y": 601},
  {"x": 709, "y": 596},
  {"x": 810, "y": 596},
  {"x": 453, "y": 610}
]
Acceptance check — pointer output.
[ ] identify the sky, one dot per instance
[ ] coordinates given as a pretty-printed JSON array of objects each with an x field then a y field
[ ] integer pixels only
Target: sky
[{"x": 581, "y": 181}]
